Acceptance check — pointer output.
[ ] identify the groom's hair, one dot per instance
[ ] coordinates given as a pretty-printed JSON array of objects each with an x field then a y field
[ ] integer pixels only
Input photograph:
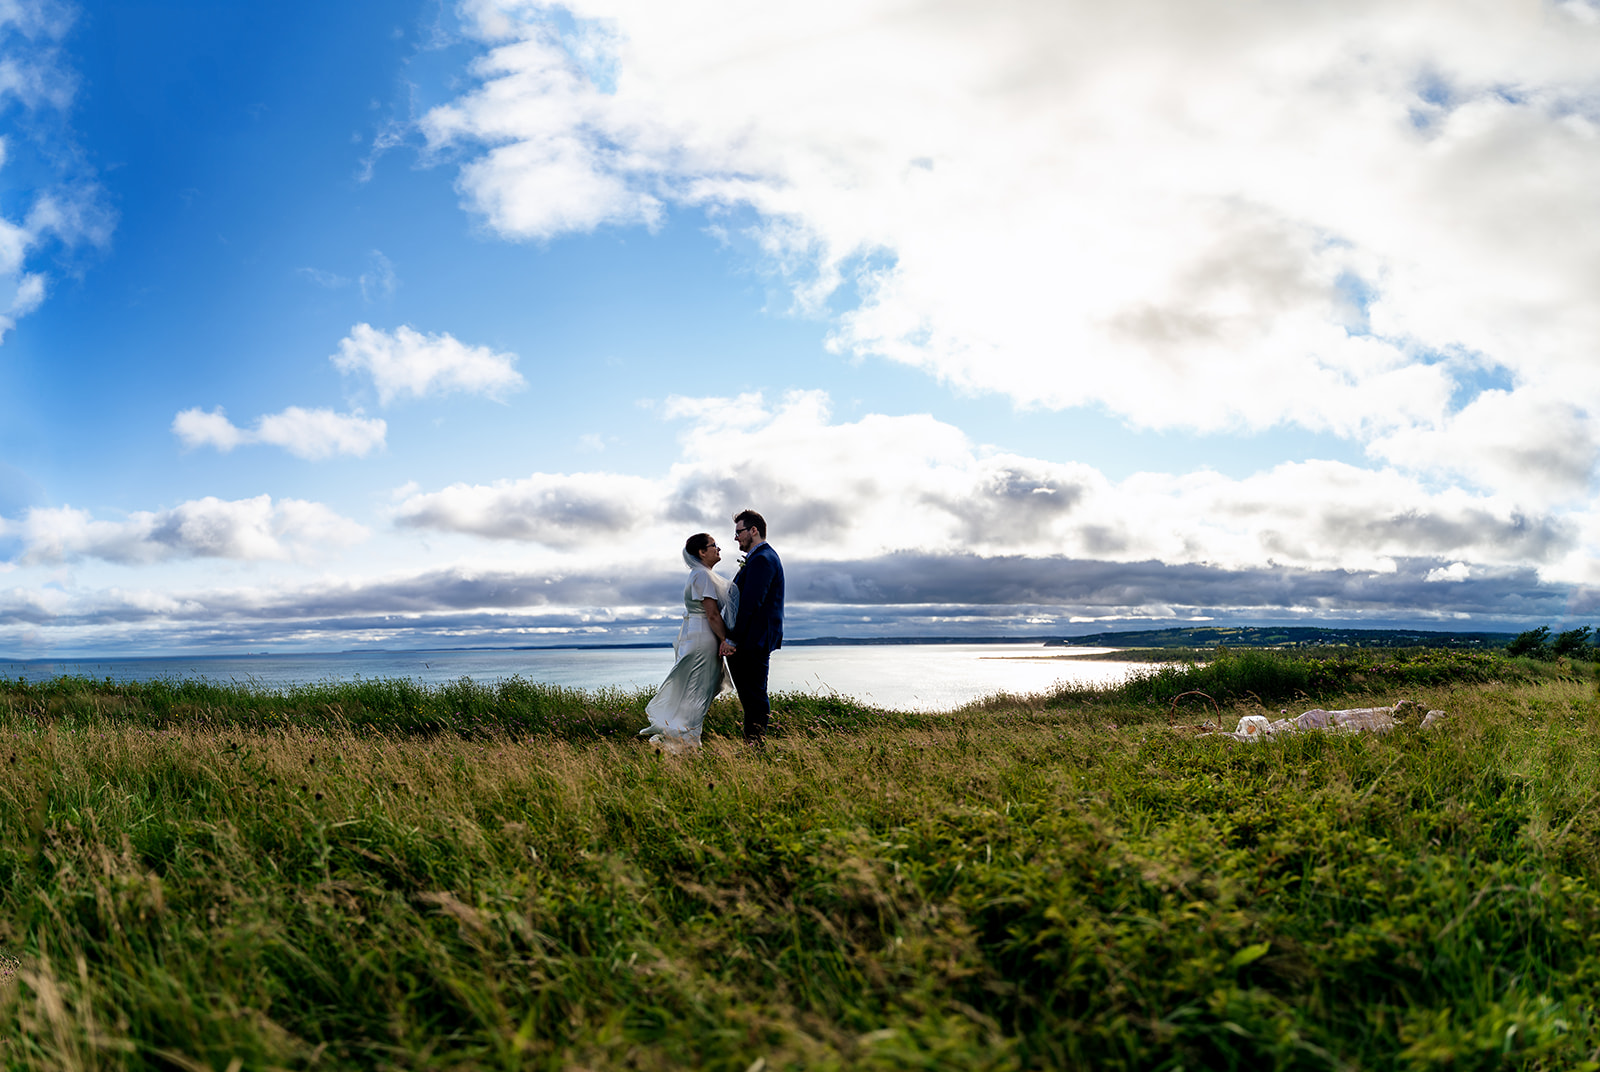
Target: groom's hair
[
  {"x": 752, "y": 520},
  {"x": 697, "y": 543}
]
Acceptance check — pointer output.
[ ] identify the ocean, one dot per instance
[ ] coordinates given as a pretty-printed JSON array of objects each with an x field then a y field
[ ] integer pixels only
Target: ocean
[{"x": 919, "y": 677}]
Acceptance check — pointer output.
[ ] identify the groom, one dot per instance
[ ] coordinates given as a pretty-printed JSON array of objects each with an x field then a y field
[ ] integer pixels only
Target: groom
[{"x": 758, "y": 630}]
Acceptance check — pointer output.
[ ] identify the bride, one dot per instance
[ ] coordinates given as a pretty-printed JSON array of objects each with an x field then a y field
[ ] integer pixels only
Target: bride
[{"x": 698, "y": 674}]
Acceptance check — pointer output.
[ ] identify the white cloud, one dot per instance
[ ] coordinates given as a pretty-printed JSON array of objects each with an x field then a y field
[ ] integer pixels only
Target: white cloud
[
  {"x": 321, "y": 433},
  {"x": 246, "y": 529},
  {"x": 1534, "y": 441},
  {"x": 564, "y": 511},
  {"x": 407, "y": 362},
  {"x": 902, "y": 518},
  {"x": 197, "y": 428},
  {"x": 884, "y": 485},
  {"x": 313, "y": 434},
  {"x": 1194, "y": 212}
]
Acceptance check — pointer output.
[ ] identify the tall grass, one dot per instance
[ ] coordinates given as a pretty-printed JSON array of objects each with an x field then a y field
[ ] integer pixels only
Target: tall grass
[
  {"x": 1273, "y": 677},
  {"x": 515, "y": 706},
  {"x": 1050, "y": 884},
  {"x": 385, "y": 706}
]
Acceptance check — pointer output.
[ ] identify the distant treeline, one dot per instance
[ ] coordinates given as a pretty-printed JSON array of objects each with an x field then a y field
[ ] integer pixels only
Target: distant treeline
[
  {"x": 1539, "y": 644},
  {"x": 1251, "y": 636}
]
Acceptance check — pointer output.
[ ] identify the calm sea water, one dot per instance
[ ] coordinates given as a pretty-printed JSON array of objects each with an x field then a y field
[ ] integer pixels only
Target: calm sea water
[{"x": 902, "y": 676}]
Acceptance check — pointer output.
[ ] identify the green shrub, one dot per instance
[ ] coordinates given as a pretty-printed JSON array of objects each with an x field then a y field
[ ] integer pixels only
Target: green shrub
[
  {"x": 1574, "y": 643},
  {"x": 1535, "y": 643}
]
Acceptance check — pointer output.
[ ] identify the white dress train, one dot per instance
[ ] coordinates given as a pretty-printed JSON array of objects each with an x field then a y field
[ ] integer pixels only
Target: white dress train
[{"x": 698, "y": 675}]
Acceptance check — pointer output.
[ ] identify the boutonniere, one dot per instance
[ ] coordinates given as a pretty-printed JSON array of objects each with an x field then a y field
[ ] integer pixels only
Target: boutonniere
[{"x": 740, "y": 561}]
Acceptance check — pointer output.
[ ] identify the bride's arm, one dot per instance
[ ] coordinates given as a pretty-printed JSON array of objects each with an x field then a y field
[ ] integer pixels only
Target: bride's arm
[{"x": 714, "y": 616}]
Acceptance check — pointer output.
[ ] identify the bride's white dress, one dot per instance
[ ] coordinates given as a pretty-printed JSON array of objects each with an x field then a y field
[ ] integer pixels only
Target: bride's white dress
[{"x": 698, "y": 675}]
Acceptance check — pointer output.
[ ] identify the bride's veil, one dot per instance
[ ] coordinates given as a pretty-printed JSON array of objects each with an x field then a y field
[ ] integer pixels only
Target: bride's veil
[{"x": 727, "y": 591}]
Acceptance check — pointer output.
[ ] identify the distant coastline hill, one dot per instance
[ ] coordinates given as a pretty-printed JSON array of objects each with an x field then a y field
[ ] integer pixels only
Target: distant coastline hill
[
  {"x": 1240, "y": 636},
  {"x": 1249, "y": 636}
]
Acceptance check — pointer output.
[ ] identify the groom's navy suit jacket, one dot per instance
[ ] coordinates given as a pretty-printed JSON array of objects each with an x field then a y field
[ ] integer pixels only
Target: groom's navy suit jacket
[{"x": 760, "y": 621}]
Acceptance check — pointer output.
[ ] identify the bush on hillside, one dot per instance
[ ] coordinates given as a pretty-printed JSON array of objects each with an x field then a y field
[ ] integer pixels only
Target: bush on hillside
[
  {"x": 1574, "y": 643},
  {"x": 1538, "y": 644},
  {"x": 1535, "y": 643}
]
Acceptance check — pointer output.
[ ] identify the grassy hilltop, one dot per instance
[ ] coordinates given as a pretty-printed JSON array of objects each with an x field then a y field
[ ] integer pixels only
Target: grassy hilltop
[
  {"x": 385, "y": 875},
  {"x": 1292, "y": 636}
]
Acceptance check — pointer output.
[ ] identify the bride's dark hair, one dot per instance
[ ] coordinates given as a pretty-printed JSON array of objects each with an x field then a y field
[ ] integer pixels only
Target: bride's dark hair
[{"x": 697, "y": 543}]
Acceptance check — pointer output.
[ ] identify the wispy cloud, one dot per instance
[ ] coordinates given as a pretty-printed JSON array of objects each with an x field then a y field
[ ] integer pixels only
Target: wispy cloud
[
  {"x": 406, "y": 362},
  {"x": 379, "y": 281},
  {"x": 67, "y": 209},
  {"x": 391, "y": 133},
  {"x": 33, "y": 70},
  {"x": 313, "y": 434},
  {"x": 326, "y": 280}
]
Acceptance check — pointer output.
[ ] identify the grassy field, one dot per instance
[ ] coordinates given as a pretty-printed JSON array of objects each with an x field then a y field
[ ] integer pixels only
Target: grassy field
[{"x": 385, "y": 875}]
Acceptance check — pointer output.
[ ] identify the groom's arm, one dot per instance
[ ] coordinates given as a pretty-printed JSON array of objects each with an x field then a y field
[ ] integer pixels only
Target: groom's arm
[{"x": 758, "y": 574}]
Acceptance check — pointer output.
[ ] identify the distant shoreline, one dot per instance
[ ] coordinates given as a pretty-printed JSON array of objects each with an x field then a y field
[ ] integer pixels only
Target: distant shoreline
[
  {"x": 1185, "y": 637},
  {"x": 803, "y": 642}
]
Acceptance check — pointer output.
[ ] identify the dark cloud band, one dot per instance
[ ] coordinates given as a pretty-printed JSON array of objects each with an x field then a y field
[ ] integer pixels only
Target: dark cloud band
[{"x": 900, "y": 594}]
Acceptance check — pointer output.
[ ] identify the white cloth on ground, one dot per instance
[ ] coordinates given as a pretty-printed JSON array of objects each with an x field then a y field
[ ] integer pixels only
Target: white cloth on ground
[
  {"x": 1355, "y": 719},
  {"x": 698, "y": 675}
]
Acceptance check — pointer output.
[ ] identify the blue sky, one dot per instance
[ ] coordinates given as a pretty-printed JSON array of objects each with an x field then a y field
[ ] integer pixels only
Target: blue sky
[{"x": 406, "y": 324}]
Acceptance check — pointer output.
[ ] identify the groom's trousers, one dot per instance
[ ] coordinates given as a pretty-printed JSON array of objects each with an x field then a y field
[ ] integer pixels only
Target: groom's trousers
[{"x": 749, "y": 672}]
